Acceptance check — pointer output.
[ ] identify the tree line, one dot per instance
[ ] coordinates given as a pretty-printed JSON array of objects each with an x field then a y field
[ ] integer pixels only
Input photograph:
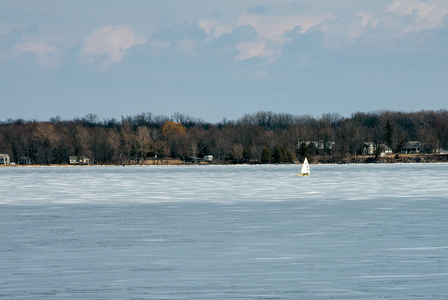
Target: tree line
[{"x": 263, "y": 137}]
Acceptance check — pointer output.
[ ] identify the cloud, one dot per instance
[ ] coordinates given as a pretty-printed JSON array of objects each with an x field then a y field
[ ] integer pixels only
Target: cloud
[
  {"x": 242, "y": 33},
  {"x": 45, "y": 54},
  {"x": 417, "y": 15},
  {"x": 430, "y": 13},
  {"x": 250, "y": 44},
  {"x": 271, "y": 31},
  {"x": 259, "y": 48},
  {"x": 401, "y": 23},
  {"x": 109, "y": 44},
  {"x": 29, "y": 47},
  {"x": 215, "y": 28},
  {"x": 183, "y": 37},
  {"x": 408, "y": 16}
]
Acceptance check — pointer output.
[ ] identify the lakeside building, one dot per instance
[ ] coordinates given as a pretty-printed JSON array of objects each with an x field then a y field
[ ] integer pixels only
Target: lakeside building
[
  {"x": 5, "y": 159},
  {"x": 412, "y": 147},
  {"x": 385, "y": 149},
  {"x": 317, "y": 147},
  {"x": 78, "y": 160},
  {"x": 24, "y": 160},
  {"x": 369, "y": 148},
  {"x": 208, "y": 158}
]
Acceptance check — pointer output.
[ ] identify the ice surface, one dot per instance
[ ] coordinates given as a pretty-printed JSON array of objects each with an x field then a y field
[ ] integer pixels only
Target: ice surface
[{"x": 225, "y": 232}]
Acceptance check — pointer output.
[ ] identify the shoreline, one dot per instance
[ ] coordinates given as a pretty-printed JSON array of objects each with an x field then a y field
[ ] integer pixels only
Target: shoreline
[
  {"x": 317, "y": 160},
  {"x": 388, "y": 159}
]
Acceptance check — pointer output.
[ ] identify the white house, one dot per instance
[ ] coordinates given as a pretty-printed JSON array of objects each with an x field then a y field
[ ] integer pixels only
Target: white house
[
  {"x": 368, "y": 148},
  {"x": 78, "y": 160},
  {"x": 5, "y": 159},
  {"x": 208, "y": 158},
  {"x": 384, "y": 150}
]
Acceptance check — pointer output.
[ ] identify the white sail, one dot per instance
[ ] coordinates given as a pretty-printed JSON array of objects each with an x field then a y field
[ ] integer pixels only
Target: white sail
[{"x": 305, "y": 168}]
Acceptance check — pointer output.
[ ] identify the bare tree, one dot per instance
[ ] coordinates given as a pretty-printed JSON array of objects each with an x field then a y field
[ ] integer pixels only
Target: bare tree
[
  {"x": 113, "y": 141},
  {"x": 144, "y": 142},
  {"x": 46, "y": 137}
]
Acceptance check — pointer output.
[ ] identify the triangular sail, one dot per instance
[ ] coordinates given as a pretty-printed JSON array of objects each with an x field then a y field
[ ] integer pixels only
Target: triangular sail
[{"x": 305, "y": 168}]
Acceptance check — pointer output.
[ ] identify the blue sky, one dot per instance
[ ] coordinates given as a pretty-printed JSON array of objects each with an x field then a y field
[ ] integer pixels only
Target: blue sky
[{"x": 221, "y": 59}]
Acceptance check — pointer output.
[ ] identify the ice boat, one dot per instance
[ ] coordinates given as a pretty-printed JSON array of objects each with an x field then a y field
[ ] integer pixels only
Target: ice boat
[{"x": 305, "y": 171}]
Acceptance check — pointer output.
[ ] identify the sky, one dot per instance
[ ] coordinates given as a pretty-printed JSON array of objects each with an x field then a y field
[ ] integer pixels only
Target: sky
[{"x": 218, "y": 60}]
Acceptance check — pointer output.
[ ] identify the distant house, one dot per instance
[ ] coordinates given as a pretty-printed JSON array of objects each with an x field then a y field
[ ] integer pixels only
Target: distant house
[
  {"x": 385, "y": 149},
  {"x": 317, "y": 147},
  {"x": 78, "y": 160},
  {"x": 412, "y": 147},
  {"x": 367, "y": 148},
  {"x": 24, "y": 160},
  {"x": 194, "y": 160},
  {"x": 5, "y": 159},
  {"x": 439, "y": 150},
  {"x": 208, "y": 158}
]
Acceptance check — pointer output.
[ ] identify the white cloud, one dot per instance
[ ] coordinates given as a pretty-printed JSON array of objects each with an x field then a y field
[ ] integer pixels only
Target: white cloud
[
  {"x": 109, "y": 44},
  {"x": 407, "y": 16},
  {"x": 274, "y": 27},
  {"x": 270, "y": 30},
  {"x": 367, "y": 19},
  {"x": 425, "y": 14},
  {"x": 46, "y": 54},
  {"x": 430, "y": 11},
  {"x": 214, "y": 28},
  {"x": 27, "y": 45},
  {"x": 207, "y": 25},
  {"x": 258, "y": 48},
  {"x": 396, "y": 20}
]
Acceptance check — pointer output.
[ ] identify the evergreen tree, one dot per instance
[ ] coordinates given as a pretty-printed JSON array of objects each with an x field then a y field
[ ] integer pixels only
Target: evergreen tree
[
  {"x": 277, "y": 155},
  {"x": 304, "y": 151},
  {"x": 266, "y": 155},
  {"x": 247, "y": 153},
  {"x": 389, "y": 133}
]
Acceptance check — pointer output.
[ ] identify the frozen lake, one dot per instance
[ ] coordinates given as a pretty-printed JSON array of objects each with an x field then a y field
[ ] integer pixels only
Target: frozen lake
[{"x": 224, "y": 232}]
